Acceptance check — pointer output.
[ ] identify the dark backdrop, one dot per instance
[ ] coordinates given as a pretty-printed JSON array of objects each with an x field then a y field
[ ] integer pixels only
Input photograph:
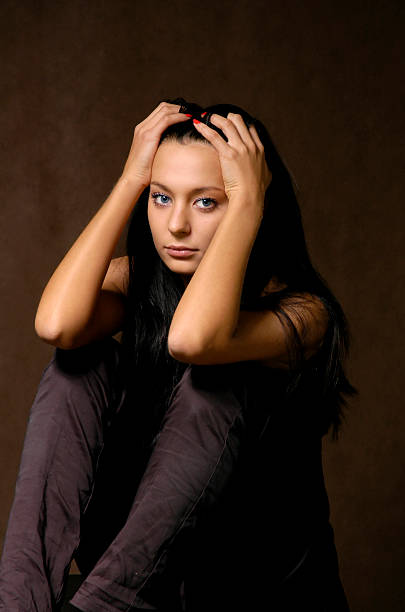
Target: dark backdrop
[{"x": 325, "y": 77}]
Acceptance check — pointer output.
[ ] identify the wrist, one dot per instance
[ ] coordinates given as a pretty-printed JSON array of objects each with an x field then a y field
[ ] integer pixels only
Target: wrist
[
  {"x": 254, "y": 203},
  {"x": 125, "y": 192},
  {"x": 132, "y": 184}
]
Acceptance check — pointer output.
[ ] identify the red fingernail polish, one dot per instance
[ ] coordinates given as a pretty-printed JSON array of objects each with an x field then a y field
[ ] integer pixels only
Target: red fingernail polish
[
  {"x": 196, "y": 121},
  {"x": 187, "y": 115},
  {"x": 202, "y": 114}
]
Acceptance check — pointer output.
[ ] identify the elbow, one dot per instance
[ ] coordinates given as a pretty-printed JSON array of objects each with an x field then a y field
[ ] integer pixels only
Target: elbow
[
  {"x": 181, "y": 350},
  {"x": 45, "y": 332},
  {"x": 177, "y": 352},
  {"x": 53, "y": 335}
]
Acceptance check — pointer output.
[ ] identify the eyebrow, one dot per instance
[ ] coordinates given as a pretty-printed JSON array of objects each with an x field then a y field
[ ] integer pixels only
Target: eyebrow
[{"x": 196, "y": 190}]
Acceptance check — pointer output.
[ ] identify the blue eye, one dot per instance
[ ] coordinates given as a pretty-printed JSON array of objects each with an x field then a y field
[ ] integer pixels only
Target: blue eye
[
  {"x": 154, "y": 197},
  {"x": 166, "y": 199},
  {"x": 207, "y": 200}
]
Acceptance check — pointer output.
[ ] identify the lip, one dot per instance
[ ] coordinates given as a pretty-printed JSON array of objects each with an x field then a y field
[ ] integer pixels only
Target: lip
[
  {"x": 179, "y": 247},
  {"x": 179, "y": 251}
]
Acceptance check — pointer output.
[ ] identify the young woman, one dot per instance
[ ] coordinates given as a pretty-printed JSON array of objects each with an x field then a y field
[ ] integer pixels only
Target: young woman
[{"x": 182, "y": 466}]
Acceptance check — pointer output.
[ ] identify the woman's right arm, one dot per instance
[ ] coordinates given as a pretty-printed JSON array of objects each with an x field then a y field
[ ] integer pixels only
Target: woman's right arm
[{"x": 83, "y": 300}]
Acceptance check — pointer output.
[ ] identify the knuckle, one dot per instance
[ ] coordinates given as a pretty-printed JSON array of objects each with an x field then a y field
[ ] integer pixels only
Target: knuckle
[
  {"x": 162, "y": 107},
  {"x": 147, "y": 135},
  {"x": 138, "y": 131}
]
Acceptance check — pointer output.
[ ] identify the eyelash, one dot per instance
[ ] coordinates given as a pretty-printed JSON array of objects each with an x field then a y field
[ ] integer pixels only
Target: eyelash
[{"x": 156, "y": 195}]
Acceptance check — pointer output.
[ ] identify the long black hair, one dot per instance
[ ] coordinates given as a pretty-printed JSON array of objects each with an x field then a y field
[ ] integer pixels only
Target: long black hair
[{"x": 279, "y": 252}]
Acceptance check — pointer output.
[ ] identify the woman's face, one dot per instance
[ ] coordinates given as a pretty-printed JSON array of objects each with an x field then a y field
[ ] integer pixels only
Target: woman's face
[{"x": 186, "y": 202}]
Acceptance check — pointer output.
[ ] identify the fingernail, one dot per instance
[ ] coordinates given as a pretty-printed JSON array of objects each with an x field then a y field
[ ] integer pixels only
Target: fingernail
[
  {"x": 196, "y": 121},
  {"x": 187, "y": 115},
  {"x": 202, "y": 114}
]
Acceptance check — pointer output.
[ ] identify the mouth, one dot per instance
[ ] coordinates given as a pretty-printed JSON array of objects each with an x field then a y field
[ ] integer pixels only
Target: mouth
[
  {"x": 179, "y": 251},
  {"x": 179, "y": 247}
]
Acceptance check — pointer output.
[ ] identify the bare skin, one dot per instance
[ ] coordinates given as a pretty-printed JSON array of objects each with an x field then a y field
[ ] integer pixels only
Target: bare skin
[
  {"x": 183, "y": 213},
  {"x": 83, "y": 299},
  {"x": 191, "y": 188}
]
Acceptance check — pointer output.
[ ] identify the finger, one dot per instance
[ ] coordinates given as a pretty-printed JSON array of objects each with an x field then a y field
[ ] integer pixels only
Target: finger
[
  {"x": 242, "y": 128},
  {"x": 153, "y": 114},
  {"x": 256, "y": 138},
  {"x": 166, "y": 107},
  {"x": 162, "y": 121},
  {"x": 162, "y": 108},
  {"x": 153, "y": 122},
  {"x": 212, "y": 136},
  {"x": 229, "y": 129}
]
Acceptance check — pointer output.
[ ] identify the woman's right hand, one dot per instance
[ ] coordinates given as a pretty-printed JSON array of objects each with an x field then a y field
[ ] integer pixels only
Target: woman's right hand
[{"x": 138, "y": 167}]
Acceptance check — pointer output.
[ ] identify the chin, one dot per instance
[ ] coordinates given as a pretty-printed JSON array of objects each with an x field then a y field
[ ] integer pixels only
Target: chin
[
  {"x": 181, "y": 264},
  {"x": 182, "y": 268}
]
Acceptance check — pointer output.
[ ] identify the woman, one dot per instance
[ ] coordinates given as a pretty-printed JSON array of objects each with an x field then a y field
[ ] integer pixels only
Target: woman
[{"x": 182, "y": 467}]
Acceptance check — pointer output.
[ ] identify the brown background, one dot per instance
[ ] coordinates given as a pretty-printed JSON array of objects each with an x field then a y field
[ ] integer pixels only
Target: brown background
[{"x": 77, "y": 76}]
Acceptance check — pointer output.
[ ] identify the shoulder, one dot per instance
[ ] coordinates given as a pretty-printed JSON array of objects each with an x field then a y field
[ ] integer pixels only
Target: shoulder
[
  {"x": 297, "y": 303},
  {"x": 302, "y": 307},
  {"x": 311, "y": 318},
  {"x": 306, "y": 309},
  {"x": 307, "y": 314}
]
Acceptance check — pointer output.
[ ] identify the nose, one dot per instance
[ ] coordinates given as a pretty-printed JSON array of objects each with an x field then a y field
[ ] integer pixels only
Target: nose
[{"x": 179, "y": 222}]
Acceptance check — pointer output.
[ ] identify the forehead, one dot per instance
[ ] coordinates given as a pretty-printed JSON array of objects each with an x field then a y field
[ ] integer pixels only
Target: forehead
[{"x": 194, "y": 161}]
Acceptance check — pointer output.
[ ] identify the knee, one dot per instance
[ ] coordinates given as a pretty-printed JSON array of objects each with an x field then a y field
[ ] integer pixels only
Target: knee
[
  {"x": 209, "y": 392},
  {"x": 90, "y": 371},
  {"x": 100, "y": 356}
]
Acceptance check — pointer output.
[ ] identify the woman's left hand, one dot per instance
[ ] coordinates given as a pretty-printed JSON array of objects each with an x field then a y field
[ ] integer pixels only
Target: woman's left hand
[{"x": 244, "y": 168}]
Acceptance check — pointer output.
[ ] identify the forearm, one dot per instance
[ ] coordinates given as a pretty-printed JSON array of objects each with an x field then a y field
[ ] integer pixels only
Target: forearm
[
  {"x": 70, "y": 296},
  {"x": 209, "y": 309}
]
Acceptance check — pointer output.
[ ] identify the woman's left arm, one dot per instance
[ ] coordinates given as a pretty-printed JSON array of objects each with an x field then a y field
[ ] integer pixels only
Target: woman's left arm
[
  {"x": 208, "y": 311},
  {"x": 208, "y": 326}
]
